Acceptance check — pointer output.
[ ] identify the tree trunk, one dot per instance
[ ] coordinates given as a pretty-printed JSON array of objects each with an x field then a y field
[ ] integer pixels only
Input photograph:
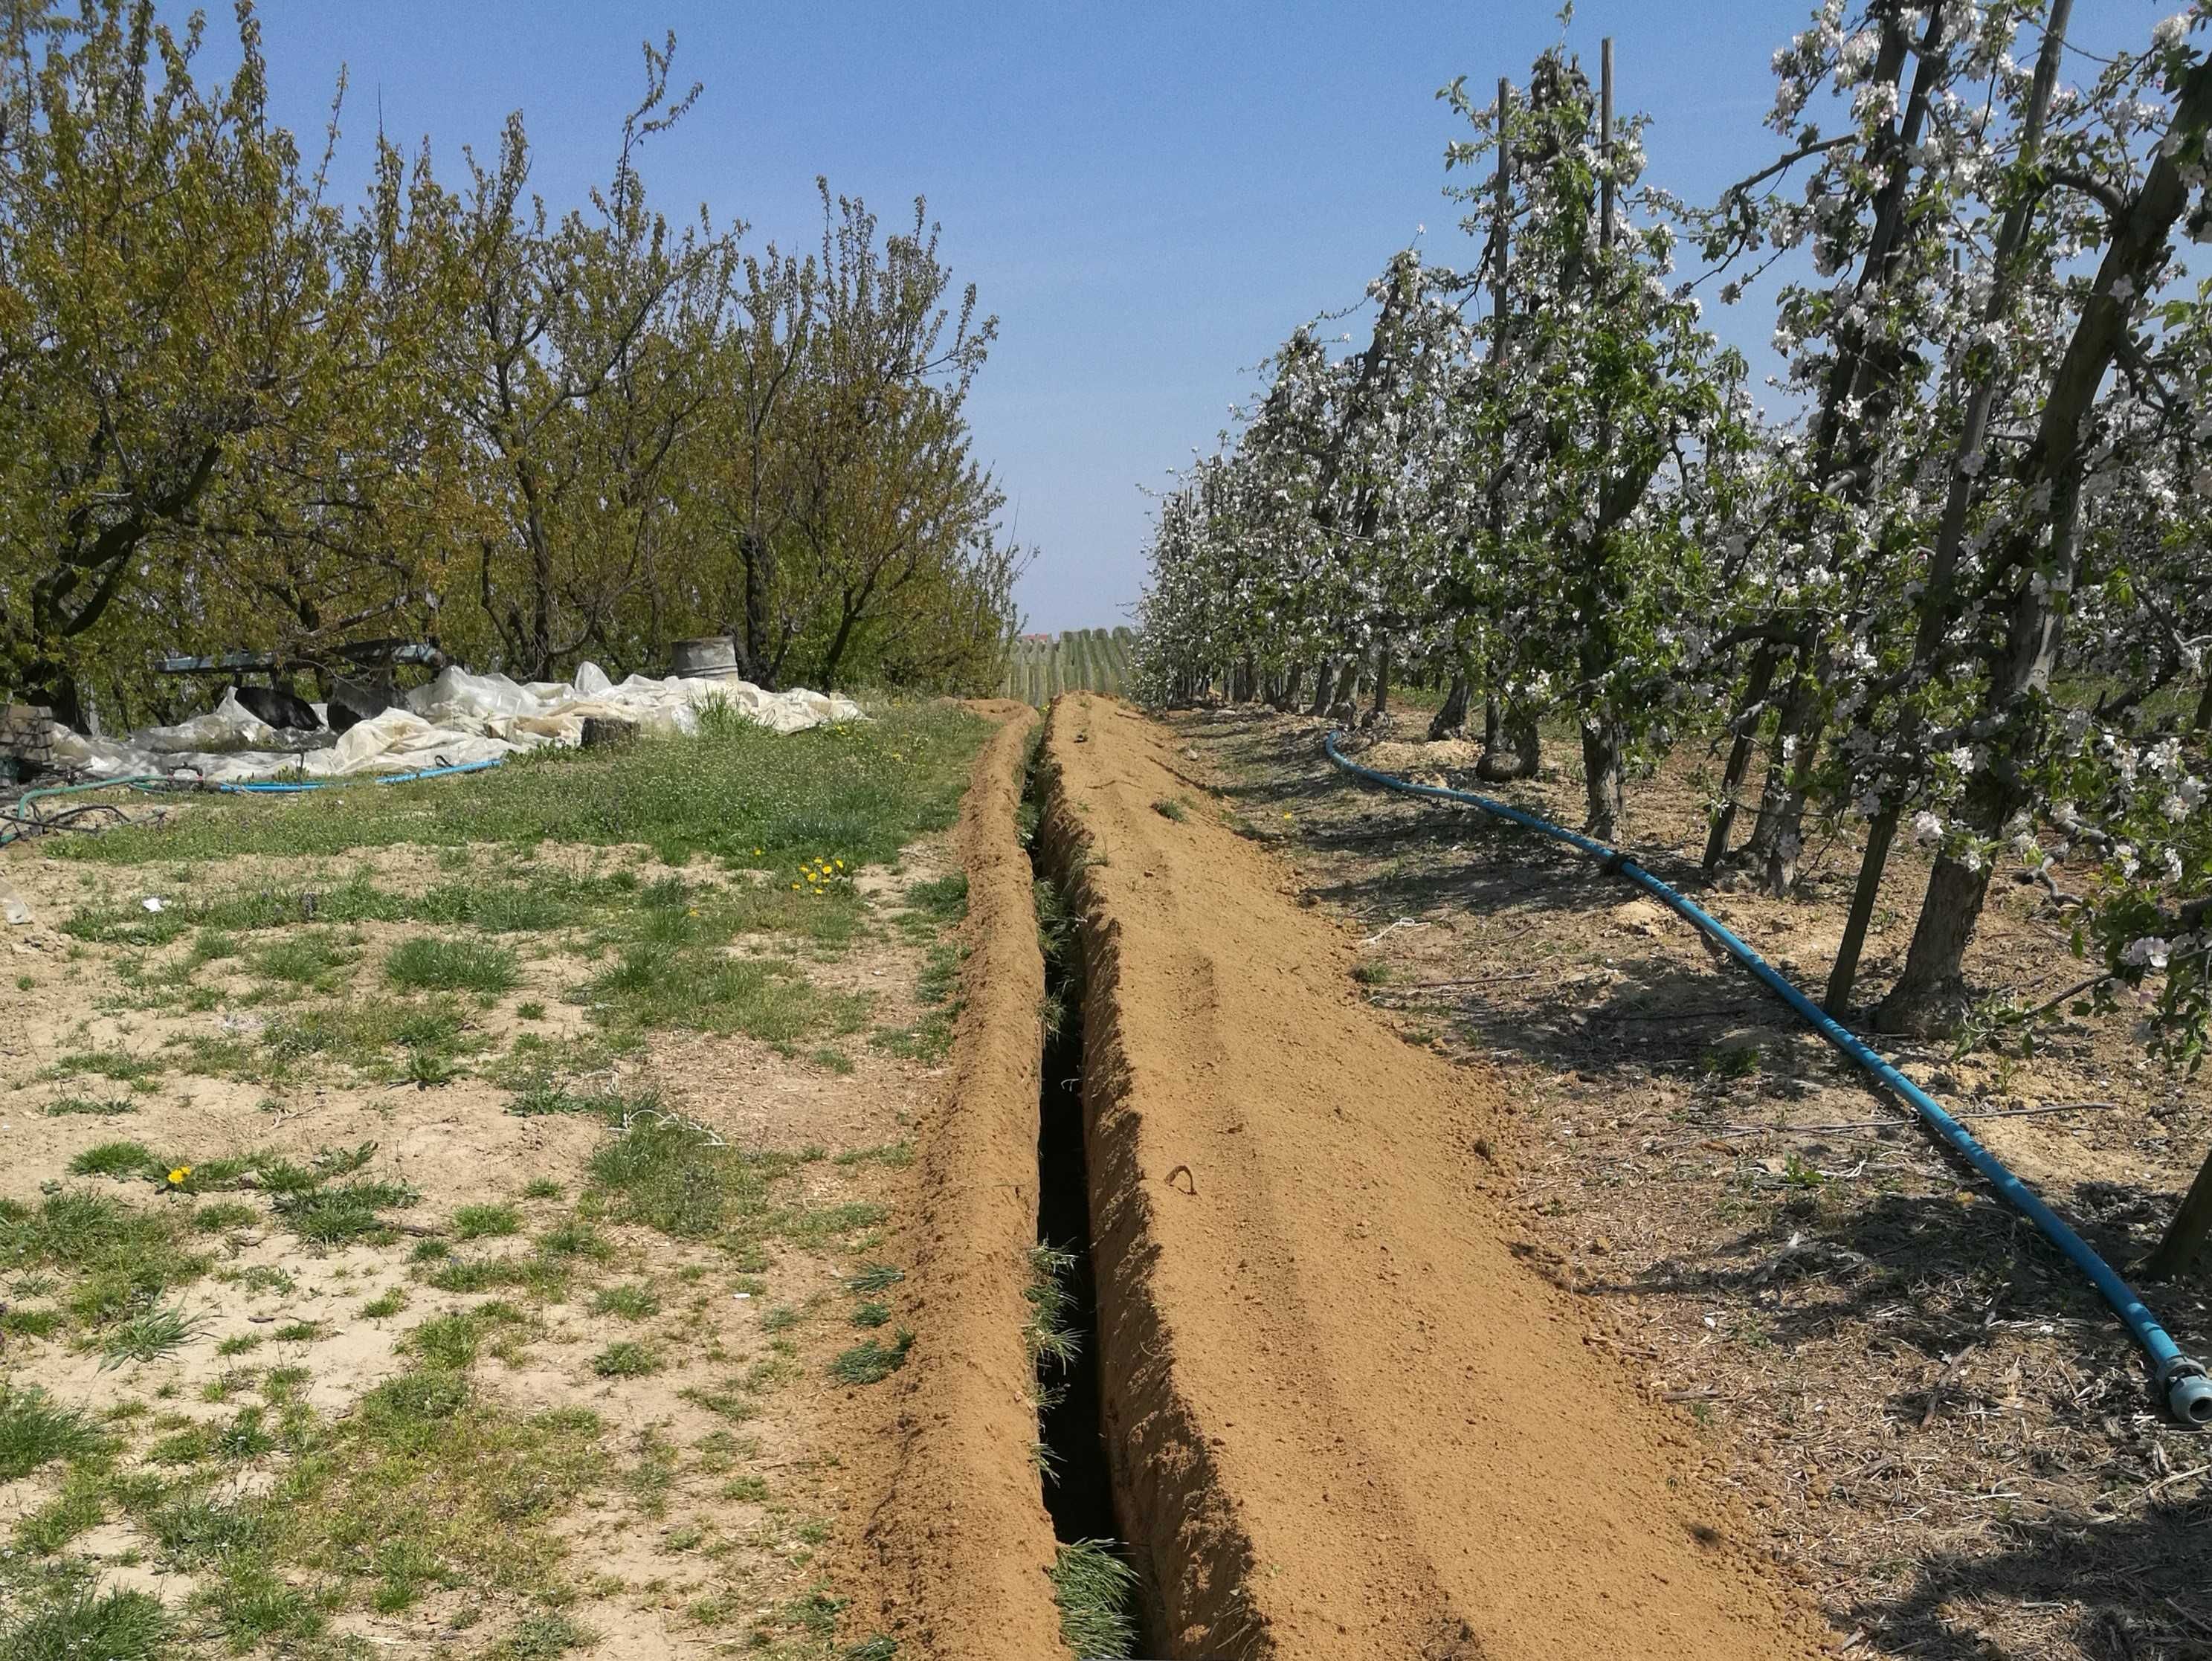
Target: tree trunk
[
  {"x": 2202, "y": 720},
  {"x": 1787, "y": 840},
  {"x": 2184, "y": 1244},
  {"x": 1509, "y": 727},
  {"x": 1925, "y": 999},
  {"x": 1452, "y": 717},
  {"x": 1324, "y": 687},
  {"x": 753, "y": 551},
  {"x": 1603, "y": 778},
  {"x": 2012, "y": 701},
  {"x": 1381, "y": 707},
  {"x": 1763, "y": 665},
  {"x": 1296, "y": 674},
  {"x": 1774, "y": 809},
  {"x": 1844, "y": 974}
]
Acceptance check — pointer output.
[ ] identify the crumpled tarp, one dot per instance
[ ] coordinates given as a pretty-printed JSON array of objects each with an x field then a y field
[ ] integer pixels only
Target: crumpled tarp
[{"x": 455, "y": 719}]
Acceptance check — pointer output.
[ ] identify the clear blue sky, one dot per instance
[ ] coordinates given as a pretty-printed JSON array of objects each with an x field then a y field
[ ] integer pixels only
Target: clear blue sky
[{"x": 1149, "y": 196}]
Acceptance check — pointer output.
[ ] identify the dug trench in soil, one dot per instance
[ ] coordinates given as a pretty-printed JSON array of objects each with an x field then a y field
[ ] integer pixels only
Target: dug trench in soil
[
  {"x": 1344, "y": 1420},
  {"x": 960, "y": 1545}
]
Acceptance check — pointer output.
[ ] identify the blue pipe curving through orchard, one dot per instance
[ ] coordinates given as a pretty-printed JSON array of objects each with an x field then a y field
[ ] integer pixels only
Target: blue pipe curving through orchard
[
  {"x": 293, "y": 787},
  {"x": 2188, "y": 1389}
]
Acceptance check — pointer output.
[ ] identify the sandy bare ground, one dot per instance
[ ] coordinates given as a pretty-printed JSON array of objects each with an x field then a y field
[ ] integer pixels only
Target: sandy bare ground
[
  {"x": 1347, "y": 1419},
  {"x": 705, "y": 1498},
  {"x": 1926, "y": 1411}
]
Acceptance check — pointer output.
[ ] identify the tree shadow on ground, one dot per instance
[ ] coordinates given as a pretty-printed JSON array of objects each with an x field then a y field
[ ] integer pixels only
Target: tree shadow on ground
[{"x": 2139, "y": 1581}]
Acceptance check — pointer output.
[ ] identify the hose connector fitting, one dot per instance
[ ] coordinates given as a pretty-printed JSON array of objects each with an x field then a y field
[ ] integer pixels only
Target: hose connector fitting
[{"x": 2188, "y": 1391}]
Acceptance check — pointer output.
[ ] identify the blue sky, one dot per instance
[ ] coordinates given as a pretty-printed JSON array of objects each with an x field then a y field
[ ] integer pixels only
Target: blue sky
[{"x": 1148, "y": 196}]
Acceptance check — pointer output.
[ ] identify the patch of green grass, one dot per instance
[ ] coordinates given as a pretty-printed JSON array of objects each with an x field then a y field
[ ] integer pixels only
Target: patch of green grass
[
  {"x": 224, "y": 1214},
  {"x": 193, "y": 1528},
  {"x": 872, "y": 1278},
  {"x": 892, "y": 1156},
  {"x": 575, "y": 1238},
  {"x": 147, "y": 1333},
  {"x": 481, "y": 1222},
  {"x": 652, "y": 985},
  {"x": 631, "y": 1301},
  {"x": 536, "y": 1637},
  {"x": 36, "y": 1429},
  {"x": 82, "y": 1505},
  {"x": 187, "y": 1447},
  {"x": 871, "y": 1361},
  {"x": 530, "y": 1009},
  {"x": 1372, "y": 973},
  {"x": 313, "y": 959},
  {"x": 330, "y": 1212},
  {"x": 426, "y": 964},
  {"x": 113, "y": 1159},
  {"x": 91, "y": 1626},
  {"x": 120, "y": 1255},
  {"x": 250, "y": 1604},
  {"x": 67, "y": 1105},
  {"x": 387, "y": 1305},
  {"x": 1095, "y": 1591},
  {"x": 30, "y": 1323},
  {"x": 118, "y": 1065},
  {"x": 676, "y": 1177},
  {"x": 1731, "y": 1060},
  {"x": 1168, "y": 808},
  {"x": 447, "y": 1341},
  {"x": 298, "y": 1332},
  {"x": 870, "y": 1314},
  {"x": 625, "y": 1360},
  {"x": 243, "y": 1343},
  {"x": 541, "y": 1187},
  {"x": 865, "y": 790}
]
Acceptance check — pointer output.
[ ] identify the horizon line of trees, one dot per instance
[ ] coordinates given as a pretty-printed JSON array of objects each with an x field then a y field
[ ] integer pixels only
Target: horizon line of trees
[{"x": 234, "y": 413}]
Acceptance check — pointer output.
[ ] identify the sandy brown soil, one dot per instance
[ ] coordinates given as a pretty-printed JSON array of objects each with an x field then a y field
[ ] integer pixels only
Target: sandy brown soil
[
  {"x": 1922, "y": 1406},
  {"x": 1347, "y": 1420},
  {"x": 711, "y": 1527},
  {"x": 960, "y": 1542}
]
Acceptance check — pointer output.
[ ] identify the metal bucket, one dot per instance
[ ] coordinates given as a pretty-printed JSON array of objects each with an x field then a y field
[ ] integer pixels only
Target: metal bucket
[{"x": 710, "y": 654}]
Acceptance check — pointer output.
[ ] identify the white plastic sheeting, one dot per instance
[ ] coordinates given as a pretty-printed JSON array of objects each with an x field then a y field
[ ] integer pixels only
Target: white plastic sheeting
[{"x": 457, "y": 718}]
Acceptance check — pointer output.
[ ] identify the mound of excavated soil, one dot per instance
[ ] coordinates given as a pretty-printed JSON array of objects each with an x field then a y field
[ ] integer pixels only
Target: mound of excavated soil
[
  {"x": 1346, "y": 1420},
  {"x": 960, "y": 1542}
]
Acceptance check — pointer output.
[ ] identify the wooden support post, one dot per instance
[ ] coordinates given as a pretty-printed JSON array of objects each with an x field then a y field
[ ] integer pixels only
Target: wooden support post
[{"x": 1605, "y": 142}]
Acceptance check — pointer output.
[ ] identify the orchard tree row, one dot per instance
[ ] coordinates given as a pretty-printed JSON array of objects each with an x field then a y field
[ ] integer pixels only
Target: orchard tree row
[
  {"x": 1962, "y": 595},
  {"x": 234, "y": 413}
]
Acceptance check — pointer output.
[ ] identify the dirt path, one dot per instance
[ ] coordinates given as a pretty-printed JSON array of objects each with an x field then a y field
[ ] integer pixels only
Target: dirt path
[
  {"x": 1346, "y": 1420},
  {"x": 960, "y": 1543}
]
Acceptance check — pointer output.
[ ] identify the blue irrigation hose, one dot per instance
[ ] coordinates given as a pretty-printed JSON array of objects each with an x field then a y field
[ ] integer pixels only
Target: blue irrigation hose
[
  {"x": 296, "y": 786},
  {"x": 2188, "y": 1389}
]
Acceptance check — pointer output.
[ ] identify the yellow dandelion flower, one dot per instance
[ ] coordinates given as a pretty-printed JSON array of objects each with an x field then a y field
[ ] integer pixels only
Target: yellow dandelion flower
[
  {"x": 178, "y": 1175},
  {"x": 794, "y": 888}
]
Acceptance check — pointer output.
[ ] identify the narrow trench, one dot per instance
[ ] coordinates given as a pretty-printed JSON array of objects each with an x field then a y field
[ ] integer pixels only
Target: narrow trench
[
  {"x": 1078, "y": 1487},
  {"x": 1077, "y": 1475}
]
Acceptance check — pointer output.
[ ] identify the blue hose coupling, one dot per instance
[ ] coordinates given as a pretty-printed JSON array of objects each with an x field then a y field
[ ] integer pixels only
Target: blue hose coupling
[{"x": 2188, "y": 1391}]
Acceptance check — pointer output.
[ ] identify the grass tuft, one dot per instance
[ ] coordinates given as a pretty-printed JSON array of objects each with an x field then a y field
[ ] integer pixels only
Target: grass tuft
[
  {"x": 91, "y": 1626},
  {"x": 1094, "y": 1588},
  {"x": 429, "y": 964},
  {"x": 113, "y": 1159},
  {"x": 36, "y": 1429},
  {"x": 871, "y": 1361}
]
